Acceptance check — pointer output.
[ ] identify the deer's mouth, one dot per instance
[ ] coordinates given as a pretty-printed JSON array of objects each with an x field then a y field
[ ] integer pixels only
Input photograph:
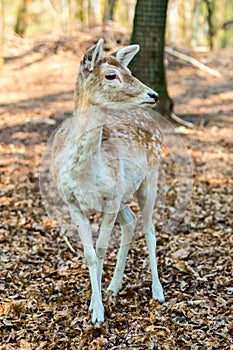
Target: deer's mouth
[{"x": 148, "y": 103}]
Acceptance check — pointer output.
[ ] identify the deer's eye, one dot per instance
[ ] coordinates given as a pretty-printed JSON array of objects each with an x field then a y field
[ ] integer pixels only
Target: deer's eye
[{"x": 111, "y": 76}]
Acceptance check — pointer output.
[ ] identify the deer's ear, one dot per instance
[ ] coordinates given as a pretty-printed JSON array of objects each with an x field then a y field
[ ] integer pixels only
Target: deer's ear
[
  {"x": 125, "y": 55},
  {"x": 91, "y": 58}
]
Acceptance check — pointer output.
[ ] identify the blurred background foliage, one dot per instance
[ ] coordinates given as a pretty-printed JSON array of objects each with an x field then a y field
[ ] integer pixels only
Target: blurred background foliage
[{"x": 191, "y": 23}]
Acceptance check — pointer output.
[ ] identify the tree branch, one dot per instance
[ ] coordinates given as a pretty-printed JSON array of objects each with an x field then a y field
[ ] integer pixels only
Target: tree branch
[{"x": 193, "y": 61}]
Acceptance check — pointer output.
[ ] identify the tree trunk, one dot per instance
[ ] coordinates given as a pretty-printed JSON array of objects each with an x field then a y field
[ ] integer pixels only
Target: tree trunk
[
  {"x": 210, "y": 4},
  {"x": 1, "y": 33},
  {"x": 84, "y": 16},
  {"x": 95, "y": 12},
  {"x": 22, "y": 17},
  {"x": 149, "y": 32},
  {"x": 109, "y": 10}
]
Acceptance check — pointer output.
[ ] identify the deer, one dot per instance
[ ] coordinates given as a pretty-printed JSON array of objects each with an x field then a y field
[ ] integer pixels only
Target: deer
[{"x": 103, "y": 156}]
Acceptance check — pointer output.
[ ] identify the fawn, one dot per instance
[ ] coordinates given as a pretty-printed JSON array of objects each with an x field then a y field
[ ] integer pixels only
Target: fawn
[{"x": 103, "y": 157}]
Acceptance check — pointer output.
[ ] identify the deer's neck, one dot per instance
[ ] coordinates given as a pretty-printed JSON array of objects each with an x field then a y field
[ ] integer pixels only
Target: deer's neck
[
  {"x": 89, "y": 122},
  {"x": 89, "y": 127},
  {"x": 81, "y": 99}
]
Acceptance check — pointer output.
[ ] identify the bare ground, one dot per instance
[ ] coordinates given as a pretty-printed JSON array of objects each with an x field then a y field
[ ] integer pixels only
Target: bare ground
[{"x": 44, "y": 288}]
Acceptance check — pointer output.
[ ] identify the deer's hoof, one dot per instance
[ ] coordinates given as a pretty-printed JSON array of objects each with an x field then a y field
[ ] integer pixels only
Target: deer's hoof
[
  {"x": 114, "y": 288},
  {"x": 98, "y": 314},
  {"x": 97, "y": 309},
  {"x": 157, "y": 294}
]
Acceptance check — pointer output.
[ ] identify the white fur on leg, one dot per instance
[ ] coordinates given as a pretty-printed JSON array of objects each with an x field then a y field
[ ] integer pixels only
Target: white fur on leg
[
  {"x": 96, "y": 306},
  {"x": 97, "y": 309},
  {"x": 102, "y": 242},
  {"x": 128, "y": 222},
  {"x": 84, "y": 230},
  {"x": 146, "y": 198},
  {"x": 116, "y": 281},
  {"x": 157, "y": 290}
]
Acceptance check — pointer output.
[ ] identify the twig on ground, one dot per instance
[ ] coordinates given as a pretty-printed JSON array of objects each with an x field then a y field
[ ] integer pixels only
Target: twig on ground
[
  {"x": 69, "y": 245},
  {"x": 178, "y": 120}
]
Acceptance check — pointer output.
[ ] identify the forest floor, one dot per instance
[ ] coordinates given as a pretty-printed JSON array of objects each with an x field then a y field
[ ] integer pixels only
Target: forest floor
[{"x": 44, "y": 287}]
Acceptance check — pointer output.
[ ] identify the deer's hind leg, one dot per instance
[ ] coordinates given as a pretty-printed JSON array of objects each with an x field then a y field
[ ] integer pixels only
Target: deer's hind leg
[
  {"x": 106, "y": 227},
  {"x": 127, "y": 221},
  {"x": 146, "y": 197}
]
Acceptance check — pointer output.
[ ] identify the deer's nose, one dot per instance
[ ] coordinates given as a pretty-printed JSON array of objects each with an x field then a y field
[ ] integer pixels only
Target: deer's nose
[{"x": 153, "y": 95}]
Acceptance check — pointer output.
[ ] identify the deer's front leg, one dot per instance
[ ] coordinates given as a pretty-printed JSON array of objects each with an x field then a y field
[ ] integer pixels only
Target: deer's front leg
[
  {"x": 96, "y": 305},
  {"x": 91, "y": 259}
]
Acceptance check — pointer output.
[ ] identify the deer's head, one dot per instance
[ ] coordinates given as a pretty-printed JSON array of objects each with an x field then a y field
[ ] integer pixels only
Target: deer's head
[{"x": 106, "y": 79}]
